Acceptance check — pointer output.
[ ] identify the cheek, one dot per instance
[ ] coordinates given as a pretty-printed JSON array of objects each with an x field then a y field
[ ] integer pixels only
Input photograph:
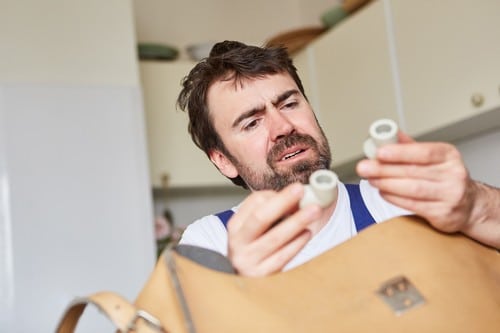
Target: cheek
[
  {"x": 309, "y": 125},
  {"x": 252, "y": 149}
]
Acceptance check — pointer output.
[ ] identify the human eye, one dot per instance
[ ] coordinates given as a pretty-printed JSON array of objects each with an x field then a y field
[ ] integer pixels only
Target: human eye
[
  {"x": 251, "y": 124},
  {"x": 291, "y": 104}
]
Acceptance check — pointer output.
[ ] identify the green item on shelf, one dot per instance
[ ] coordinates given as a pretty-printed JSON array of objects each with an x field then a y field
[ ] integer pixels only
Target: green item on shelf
[
  {"x": 333, "y": 16},
  {"x": 152, "y": 51}
]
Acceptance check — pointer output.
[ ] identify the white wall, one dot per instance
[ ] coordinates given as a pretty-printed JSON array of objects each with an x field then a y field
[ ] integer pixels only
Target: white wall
[
  {"x": 189, "y": 205},
  {"x": 75, "y": 203},
  {"x": 54, "y": 41},
  {"x": 481, "y": 154}
]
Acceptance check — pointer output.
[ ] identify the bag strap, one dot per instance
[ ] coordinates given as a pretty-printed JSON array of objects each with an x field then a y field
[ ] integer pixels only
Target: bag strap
[
  {"x": 125, "y": 316},
  {"x": 362, "y": 216}
]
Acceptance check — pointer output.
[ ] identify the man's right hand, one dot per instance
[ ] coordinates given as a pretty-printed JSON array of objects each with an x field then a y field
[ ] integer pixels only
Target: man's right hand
[{"x": 257, "y": 244}]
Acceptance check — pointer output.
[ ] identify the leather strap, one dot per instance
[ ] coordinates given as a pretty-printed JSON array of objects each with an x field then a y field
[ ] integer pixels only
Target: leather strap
[{"x": 125, "y": 316}]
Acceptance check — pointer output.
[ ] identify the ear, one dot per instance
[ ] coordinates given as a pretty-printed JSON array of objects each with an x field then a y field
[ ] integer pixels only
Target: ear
[{"x": 225, "y": 166}]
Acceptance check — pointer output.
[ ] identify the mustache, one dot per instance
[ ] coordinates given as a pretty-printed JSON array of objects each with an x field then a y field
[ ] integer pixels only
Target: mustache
[{"x": 287, "y": 142}]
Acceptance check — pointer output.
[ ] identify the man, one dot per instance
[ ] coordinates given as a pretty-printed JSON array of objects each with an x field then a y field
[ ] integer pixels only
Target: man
[{"x": 249, "y": 114}]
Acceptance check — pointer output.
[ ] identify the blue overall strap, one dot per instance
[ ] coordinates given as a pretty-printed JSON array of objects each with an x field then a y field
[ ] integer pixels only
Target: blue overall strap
[
  {"x": 225, "y": 216},
  {"x": 362, "y": 217}
]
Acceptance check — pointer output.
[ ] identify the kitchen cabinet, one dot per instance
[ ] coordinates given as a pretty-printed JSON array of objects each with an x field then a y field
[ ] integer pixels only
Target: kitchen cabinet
[
  {"x": 448, "y": 55},
  {"x": 348, "y": 79},
  {"x": 431, "y": 66},
  {"x": 174, "y": 159}
]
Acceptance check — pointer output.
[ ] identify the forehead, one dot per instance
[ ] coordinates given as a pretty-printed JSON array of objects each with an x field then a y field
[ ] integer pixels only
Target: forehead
[{"x": 238, "y": 95}]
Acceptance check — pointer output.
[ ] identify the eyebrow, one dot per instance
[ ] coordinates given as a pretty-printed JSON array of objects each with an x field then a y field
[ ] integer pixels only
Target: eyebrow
[{"x": 282, "y": 97}]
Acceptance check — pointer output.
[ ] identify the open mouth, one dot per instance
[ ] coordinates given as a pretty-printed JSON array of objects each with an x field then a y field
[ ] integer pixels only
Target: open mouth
[
  {"x": 292, "y": 148},
  {"x": 291, "y": 155}
]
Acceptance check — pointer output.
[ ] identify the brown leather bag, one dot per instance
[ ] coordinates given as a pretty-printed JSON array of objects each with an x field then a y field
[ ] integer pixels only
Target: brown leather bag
[{"x": 398, "y": 276}]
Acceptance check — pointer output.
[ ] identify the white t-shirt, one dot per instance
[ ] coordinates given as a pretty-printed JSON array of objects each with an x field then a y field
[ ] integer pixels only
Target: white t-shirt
[{"x": 209, "y": 232}]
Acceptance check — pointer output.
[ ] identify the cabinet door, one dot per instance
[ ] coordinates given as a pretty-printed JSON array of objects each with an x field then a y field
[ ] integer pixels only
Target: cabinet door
[
  {"x": 351, "y": 82},
  {"x": 172, "y": 153},
  {"x": 448, "y": 51}
]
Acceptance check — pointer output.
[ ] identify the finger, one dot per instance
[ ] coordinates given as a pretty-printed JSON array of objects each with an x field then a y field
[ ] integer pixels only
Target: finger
[
  {"x": 417, "y": 153},
  {"x": 375, "y": 169},
  {"x": 275, "y": 238},
  {"x": 422, "y": 190},
  {"x": 259, "y": 215},
  {"x": 433, "y": 211},
  {"x": 411, "y": 204},
  {"x": 286, "y": 230},
  {"x": 280, "y": 258},
  {"x": 247, "y": 208}
]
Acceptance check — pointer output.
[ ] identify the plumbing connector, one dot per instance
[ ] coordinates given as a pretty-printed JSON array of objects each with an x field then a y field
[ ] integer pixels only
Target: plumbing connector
[
  {"x": 321, "y": 190},
  {"x": 382, "y": 132}
]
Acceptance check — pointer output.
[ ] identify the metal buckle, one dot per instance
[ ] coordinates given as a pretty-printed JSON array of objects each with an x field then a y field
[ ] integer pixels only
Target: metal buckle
[
  {"x": 150, "y": 320},
  {"x": 400, "y": 294}
]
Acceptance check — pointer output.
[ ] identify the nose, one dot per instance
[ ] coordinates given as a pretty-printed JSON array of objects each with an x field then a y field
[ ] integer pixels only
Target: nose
[{"x": 279, "y": 126}]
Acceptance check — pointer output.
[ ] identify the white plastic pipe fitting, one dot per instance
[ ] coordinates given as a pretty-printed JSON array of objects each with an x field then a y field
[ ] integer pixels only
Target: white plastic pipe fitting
[
  {"x": 321, "y": 190},
  {"x": 382, "y": 132}
]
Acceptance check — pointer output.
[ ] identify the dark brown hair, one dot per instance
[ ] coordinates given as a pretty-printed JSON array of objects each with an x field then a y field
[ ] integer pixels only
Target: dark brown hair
[{"x": 228, "y": 60}]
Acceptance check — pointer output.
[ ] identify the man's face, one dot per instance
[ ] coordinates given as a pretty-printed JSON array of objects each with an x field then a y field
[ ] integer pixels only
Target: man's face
[{"x": 269, "y": 130}]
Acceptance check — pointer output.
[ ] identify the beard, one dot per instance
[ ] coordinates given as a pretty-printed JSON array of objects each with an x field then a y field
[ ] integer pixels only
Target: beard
[{"x": 275, "y": 178}]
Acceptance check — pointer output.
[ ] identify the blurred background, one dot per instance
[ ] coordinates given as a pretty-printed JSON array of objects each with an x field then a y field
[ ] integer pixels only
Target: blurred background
[{"x": 98, "y": 172}]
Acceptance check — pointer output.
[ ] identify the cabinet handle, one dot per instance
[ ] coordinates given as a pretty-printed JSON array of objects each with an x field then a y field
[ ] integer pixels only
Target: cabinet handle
[{"x": 477, "y": 100}]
